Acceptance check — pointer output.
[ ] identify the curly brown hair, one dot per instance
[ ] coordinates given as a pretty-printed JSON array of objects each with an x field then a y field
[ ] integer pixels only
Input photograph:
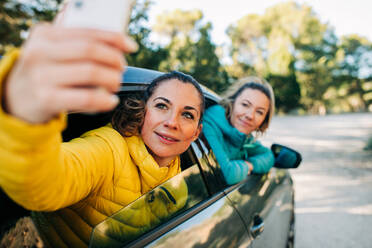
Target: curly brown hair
[{"x": 128, "y": 117}]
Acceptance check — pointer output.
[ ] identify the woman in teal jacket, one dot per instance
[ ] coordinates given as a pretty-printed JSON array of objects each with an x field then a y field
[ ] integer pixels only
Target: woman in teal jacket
[{"x": 229, "y": 127}]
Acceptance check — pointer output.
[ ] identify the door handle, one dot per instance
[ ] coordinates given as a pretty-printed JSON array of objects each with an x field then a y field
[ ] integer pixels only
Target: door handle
[{"x": 257, "y": 226}]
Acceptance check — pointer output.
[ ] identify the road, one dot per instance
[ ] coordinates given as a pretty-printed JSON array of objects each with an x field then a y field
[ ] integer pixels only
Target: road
[{"x": 333, "y": 185}]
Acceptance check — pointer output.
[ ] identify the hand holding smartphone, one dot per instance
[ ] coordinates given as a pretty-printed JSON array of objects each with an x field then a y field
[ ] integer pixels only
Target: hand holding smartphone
[
  {"x": 107, "y": 15},
  {"x": 81, "y": 69}
]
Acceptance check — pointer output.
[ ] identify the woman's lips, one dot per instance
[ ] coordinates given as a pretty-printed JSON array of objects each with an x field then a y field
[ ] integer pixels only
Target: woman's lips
[
  {"x": 244, "y": 123},
  {"x": 167, "y": 139}
]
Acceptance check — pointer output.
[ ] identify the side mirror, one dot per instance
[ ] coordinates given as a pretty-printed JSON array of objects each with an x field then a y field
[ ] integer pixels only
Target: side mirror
[{"x": 285, "y": 157}]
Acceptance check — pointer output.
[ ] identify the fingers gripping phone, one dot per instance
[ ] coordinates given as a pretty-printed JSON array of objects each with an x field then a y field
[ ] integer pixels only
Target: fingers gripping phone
[{"x": 110, "y": 15}]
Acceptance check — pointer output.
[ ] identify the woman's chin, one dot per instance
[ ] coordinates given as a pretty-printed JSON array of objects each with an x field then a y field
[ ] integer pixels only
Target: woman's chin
[
  {"x": 246, "y": 131},
  {"x": 163, "y": 154}
]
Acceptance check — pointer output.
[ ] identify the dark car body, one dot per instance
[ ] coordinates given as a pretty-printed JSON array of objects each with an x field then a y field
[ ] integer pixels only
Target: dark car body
[{"x": 257, "y": 212}]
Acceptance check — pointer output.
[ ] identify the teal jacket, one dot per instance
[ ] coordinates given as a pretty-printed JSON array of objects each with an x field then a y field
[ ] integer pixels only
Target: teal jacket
[{"x": 232, "y": 147}]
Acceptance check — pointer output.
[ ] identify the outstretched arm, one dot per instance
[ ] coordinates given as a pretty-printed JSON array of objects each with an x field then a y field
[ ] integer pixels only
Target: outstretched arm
[
  {"x": 57, "y": 70},
  {"x": 260, "y": 157},
  {"x": 233, "y": 170},
  {"x": 65, "y": 69}
]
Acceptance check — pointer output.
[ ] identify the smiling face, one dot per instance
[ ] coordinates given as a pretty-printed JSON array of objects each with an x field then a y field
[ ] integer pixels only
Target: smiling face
[
  {"x": 249, "y": 110},
  {"x": 172, "y": 120}
]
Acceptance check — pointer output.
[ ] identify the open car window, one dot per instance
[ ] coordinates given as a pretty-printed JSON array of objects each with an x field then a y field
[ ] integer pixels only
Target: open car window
[
  {"x": 154, "y": 208},
  {"x": 217, "y": 181}
]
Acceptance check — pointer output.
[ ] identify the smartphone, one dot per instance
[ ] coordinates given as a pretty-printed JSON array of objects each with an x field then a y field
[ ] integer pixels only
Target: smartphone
[{"x": 110, "y": 15}]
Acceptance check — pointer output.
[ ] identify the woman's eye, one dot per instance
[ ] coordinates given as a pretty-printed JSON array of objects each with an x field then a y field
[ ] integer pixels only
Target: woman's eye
[
  {"x": 188, "y": 115},
  {"x": 161, "y": 106},
  {"x": 245, "y": 104},
  {"x": 260, "y": 112}
]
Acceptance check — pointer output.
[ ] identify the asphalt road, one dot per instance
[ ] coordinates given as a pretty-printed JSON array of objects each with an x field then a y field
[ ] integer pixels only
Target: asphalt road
[{"x": 333, "y": 185}]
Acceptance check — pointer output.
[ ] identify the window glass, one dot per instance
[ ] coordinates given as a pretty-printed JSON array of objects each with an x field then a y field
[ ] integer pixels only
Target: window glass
[
  {"x": 208, "y": 150},
  {"x": 217, "y": 180},
  {"x": 152, "y": 209}
]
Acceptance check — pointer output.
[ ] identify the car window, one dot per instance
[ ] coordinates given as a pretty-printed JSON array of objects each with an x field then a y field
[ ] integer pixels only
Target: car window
[
  {"x": 219, "y": 180},
  {"x": 169, "y": 199},
  {"x": 209, "y": 165}
]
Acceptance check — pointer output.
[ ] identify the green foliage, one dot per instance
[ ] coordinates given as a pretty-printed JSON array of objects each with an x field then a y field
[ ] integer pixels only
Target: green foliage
[
  {"x": 289, "y": 43},
  {"x": 16, "y": 17},
  {"x": 207, "y": 68},
  {"x": 190, "y": 48},
  {"x": 353, "y": 73},
  {"x": 287, "y": 92},
  {"x": 148, "y": 55},
  {"x": 269, "y": 45},
  {"x": 239, "y": 70},
  {"x": 308, "y": 66},
  {"x": 177, "y": 23}
]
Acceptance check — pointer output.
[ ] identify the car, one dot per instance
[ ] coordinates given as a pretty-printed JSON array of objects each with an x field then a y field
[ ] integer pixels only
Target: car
[{"x": 256, "y": 212}]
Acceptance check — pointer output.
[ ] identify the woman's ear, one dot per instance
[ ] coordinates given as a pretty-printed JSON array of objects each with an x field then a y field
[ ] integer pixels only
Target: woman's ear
[{"x": 197, "y": 132}]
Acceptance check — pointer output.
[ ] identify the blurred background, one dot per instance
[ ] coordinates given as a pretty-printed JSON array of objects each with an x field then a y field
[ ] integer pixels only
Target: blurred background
[
  {"x": 316, "y": 54},
  {"x": 316, "y": 63}
]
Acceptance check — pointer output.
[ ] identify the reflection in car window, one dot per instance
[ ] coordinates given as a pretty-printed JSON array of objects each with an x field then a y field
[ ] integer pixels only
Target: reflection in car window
[
  {"x": 152, "y": 209},
  {"x": 209, "y": 153},
  {"x": 214, "y": 177}
]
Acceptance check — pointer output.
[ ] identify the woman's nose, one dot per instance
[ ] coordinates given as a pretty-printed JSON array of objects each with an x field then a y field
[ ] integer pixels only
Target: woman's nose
[
  {"x": 249, "y": 115},
  {"x": 172, "y": 122}
]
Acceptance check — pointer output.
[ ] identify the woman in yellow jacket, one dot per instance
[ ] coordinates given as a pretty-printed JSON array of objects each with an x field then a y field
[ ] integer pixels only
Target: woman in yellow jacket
[{"x": 73, "y": 186}]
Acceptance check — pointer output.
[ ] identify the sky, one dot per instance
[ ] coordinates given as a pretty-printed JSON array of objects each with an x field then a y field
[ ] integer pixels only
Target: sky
[{"x": 346, "y": 16}]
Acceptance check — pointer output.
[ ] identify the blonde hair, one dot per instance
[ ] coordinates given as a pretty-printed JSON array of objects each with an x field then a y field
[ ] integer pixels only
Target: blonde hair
[{"x": 251, "y": 82}]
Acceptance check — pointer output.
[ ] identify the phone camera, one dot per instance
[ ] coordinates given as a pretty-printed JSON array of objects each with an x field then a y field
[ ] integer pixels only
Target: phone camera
[{"x": 78, "y": 4}]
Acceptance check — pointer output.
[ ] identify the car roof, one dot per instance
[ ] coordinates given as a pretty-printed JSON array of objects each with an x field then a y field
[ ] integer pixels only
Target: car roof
[{"x": 137, "y": 79}]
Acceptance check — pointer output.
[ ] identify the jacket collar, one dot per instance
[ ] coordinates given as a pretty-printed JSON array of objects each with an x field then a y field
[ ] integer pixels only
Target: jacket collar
[{"x": 150, "y": 172}]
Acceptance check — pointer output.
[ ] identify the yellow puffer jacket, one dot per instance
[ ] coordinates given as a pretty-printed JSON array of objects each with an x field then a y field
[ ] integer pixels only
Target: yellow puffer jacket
[{"x": 76, "y": 184}]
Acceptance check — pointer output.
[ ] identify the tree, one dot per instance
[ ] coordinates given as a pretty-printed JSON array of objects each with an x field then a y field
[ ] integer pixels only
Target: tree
[
  {"x": 148, "y": 55},
  {"x": 315, "y": 64},
  {"x": 180, "y": 29},
  {"x": 17, "y": 17},
  {"x": 353, "y": 74},
  {"x": 190, "y": 48},
  {"x": 207, "y": 67},
  {"x": 286, "y": 91},
  {"x": 178, "y": 23},
  {"x": 289, "y": 43}
]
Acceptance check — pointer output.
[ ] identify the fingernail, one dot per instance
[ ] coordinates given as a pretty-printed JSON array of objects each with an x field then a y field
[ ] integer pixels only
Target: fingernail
[
  {"x": 115, "y": 99},
  {"x": 132, "y": 45}
]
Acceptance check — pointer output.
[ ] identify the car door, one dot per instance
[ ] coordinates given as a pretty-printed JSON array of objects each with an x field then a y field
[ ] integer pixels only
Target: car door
[
  {"x": 207, "y": 219},
  {"x": 265, "y": 203},
  {"x": 215, "y": 223}
]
